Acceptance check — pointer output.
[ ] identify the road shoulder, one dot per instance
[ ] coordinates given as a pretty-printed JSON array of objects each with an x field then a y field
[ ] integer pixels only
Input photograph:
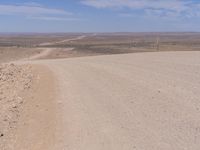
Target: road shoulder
[{"x": 37, "y": 125}]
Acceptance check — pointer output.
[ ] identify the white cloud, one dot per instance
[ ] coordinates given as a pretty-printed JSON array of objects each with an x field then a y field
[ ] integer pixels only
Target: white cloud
[
  {"x": 154, "y": 7},
  {"x": 30, "y": 10},
  {"x": 37, "y": 11},
  {"x": 137, "y": 4},
  {"x": 32, "y": 4},
  {"x": 50, "y": 18}
]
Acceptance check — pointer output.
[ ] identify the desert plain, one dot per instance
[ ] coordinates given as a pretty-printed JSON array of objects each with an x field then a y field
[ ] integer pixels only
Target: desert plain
[{"x": 100, "y": 91}]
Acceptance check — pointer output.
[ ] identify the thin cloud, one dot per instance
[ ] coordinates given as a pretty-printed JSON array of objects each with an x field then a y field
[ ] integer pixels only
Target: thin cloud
[
  {"x": 137, "y": 4},
  {"x": 37, "y": 11},
  {"x": 154, "y": 7},
  {"x": 30, "y": 10},
  {"x": 32, "y": 4},
  {"x": 47, "y": 18}
]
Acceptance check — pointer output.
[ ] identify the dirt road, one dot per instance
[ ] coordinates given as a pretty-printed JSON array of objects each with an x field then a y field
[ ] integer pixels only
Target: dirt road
[
  {"x": 63, "y": 41},
  {"x": 128, "y": 102},
  {"x": 69, "y": 40},
  {"x": 45, "y": 52}
]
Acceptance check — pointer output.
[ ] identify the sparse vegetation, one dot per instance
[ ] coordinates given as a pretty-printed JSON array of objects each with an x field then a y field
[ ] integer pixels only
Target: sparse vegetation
[{"x": 99, "y": 44}]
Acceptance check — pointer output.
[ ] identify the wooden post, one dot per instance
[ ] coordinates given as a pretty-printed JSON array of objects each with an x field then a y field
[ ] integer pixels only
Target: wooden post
[{"x": 157, "y": 43}]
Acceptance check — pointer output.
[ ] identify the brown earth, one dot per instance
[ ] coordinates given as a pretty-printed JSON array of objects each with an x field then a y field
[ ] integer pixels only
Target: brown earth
[
  {"x": 14, "y": 82},
  {"x": 8, "y": 54},
  {"x": 37, "y": 125},
  {"x": 27, "y": 114},
  {"x": 130, "y": 101},
  {"x": 19, "y": 46}
]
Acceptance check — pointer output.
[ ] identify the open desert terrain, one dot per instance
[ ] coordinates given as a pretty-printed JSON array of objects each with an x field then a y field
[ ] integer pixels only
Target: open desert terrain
[{"x": 105, "y": 91}]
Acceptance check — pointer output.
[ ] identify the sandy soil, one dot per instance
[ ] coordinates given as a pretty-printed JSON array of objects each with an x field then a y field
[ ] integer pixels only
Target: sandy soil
[
  {"x": 15, "y": 81},
  {"x": 27, "y": 114},
  {"x": 134, "y": 101},
  {"x": 55, "y": 53},
  {"x": 44, "y": 52},
  {"x": 37, "y": 124},
  {"x": 9, "y": 54},
  {"x": 120, "y": 102}
]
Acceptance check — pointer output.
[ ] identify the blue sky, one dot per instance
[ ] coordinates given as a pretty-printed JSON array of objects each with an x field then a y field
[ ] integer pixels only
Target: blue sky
[{"x": 99, "y": 15}]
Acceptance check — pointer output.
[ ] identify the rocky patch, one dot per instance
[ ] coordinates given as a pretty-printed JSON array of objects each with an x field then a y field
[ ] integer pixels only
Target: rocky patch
[{"x": 14, "y": 80}]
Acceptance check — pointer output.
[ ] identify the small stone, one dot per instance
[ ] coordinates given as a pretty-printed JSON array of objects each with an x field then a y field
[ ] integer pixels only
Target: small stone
[
  {"x": 14, "y": 106},
  {"x": 12, "y": 64},
  {"x": 5, "y": 120},
  {"x": 1, "y": 135}
]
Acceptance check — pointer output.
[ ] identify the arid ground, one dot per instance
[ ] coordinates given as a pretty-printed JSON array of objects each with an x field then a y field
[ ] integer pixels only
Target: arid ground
[{"x": 70, "y": 92}]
